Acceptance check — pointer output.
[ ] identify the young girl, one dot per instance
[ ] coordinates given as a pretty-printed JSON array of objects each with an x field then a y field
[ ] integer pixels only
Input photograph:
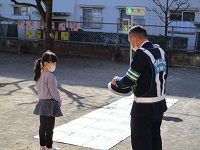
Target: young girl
[{"x": 48, "y": 106}]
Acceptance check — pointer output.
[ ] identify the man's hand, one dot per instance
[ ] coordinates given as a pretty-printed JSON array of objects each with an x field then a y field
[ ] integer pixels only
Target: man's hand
[{"x": 114, "y": 81}]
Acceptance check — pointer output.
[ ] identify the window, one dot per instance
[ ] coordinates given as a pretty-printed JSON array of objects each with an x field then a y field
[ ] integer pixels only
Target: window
[
  {"x": 136, "y": 19},
  {"x": 176, "y": 16},
  {"x": 182, "y": 16},
  {"x": 21, "y": 11},
  {"x": 17, "y": 11},
  {"x": 188, "y": 16},
  {"x": 139, "y": 20},
  {"x": 124, "y": 15},
  {"x": 24, "y": 10},
  {"x": 92, "y": 18}
]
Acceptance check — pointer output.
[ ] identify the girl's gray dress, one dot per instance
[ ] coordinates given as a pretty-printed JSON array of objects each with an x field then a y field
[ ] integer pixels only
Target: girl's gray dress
[
  {"x": 48, "y": 107},
  {"x": 49, "y": 97}
]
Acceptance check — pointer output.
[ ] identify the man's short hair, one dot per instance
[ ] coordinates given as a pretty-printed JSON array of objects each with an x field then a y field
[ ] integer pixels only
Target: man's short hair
[{"x": 138, "y": 30}]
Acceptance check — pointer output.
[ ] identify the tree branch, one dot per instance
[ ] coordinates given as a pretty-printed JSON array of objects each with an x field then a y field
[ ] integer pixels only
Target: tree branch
[
  {"x": 165, "y": 8},
  {"x": 179, "y": 5},
  {"x": 38, "y": 6},
  {"x": 183, "y": 3},
  {"x": 171, "y": 3},
  {"x": 25, "y": 4},
  {"x": 157, "y": 2},
  {"x": 170, "y": 22},
  {"x": 156, "y": 11},
  {"x": 44, "y": 1}
]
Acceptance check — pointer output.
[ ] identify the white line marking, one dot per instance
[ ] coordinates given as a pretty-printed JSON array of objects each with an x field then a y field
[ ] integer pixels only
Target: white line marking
[{"x": 102, "y": 128}]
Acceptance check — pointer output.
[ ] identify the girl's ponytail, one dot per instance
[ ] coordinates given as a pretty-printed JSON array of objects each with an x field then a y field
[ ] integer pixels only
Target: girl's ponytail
[
  {"x": 48, "y": 56},
  {"x": 37, "y": 69}
]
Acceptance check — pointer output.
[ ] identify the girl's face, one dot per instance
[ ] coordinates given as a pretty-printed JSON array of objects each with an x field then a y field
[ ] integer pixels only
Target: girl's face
[{"x": 49, "y": 66}]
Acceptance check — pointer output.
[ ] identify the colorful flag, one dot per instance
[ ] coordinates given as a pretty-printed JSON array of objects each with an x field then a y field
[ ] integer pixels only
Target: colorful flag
[
  {"x": 20, "y": 24},
  {"x": 74, "y": 26},
  {"x": 40, "y": 25},
  {"x": 53, "y": 25},
  {"x": 29, "y": 24},
  {"x": 61, "y": 26}
]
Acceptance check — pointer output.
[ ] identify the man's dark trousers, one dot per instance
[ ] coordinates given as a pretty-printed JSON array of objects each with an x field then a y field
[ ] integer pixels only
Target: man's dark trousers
[{"x": 145, "y": 133}]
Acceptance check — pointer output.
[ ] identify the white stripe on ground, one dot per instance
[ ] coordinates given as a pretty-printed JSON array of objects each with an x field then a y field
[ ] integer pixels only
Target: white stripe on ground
[{"x": 102, "y": 128}]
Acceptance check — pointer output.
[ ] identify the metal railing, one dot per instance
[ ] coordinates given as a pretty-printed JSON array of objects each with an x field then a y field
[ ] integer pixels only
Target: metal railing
[{"x": 179, "y": 38}]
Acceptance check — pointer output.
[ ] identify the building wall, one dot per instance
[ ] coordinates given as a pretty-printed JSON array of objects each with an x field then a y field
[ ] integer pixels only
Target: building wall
[
  {"x": 110, "y": 14},
  {"x": 65, "y": 6},
  {"x": 6, "y": 8},
  {"x": 110, "y": 11}
]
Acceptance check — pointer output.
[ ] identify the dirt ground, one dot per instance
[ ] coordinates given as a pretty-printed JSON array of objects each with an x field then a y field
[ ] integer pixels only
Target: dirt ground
[{"x": 83, "y": 86}]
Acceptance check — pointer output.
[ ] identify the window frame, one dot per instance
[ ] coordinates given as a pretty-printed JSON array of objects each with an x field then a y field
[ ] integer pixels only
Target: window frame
[
  {"x": 182, "y": 16},
  {"x": 21, "y": 11},
  {"x": 92, "y": 22},
  {"x": 121, "y": 17},
  {"x": 194, "y": 13},
  {"x": 138, "y": 19}
]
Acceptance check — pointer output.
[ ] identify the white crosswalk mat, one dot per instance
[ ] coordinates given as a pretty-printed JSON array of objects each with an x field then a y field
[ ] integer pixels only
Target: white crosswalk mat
[{"x": 102, "y": 128}]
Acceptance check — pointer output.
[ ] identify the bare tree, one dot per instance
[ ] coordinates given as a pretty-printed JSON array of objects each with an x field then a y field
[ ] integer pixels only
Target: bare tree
[
  {"x": 46, "y": 18},
  {"x": 164, "y": 8}
]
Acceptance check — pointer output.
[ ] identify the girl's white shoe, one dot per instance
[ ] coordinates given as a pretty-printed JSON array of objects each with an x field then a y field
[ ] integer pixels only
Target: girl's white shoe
[
  {"x": 42, "y": 147},
  {"x": 53, "y": 148}
]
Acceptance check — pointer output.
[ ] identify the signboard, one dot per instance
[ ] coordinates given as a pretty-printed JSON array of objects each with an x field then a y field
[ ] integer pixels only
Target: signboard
[
  {"x": 135, "y": 11},
  {"x": 56, "y": 36},
  {"x": 64, "y": 35},
  {"x": 125, "y": 25},
  {"x": 28, "y": 33},
  {"x": 38, "y": 34}
]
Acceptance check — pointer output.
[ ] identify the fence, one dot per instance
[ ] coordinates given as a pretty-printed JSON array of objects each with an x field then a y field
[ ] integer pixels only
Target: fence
[{"x": 178, "y": 38}]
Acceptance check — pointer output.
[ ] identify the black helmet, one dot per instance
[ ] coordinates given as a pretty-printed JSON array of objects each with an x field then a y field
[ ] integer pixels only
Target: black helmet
[{"x": 118, "y": 91}]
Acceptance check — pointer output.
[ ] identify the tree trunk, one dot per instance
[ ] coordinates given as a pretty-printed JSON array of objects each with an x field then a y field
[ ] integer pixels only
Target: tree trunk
[
  {"x": 166, "y": 38},
  {"x": 166, "y": 23},
  {"x": 49, "y": 40},
  {"x": 166, "y": 28}
]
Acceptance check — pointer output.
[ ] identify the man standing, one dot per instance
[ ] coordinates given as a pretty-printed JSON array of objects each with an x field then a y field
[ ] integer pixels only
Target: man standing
[{"x": 147, "y": 75}]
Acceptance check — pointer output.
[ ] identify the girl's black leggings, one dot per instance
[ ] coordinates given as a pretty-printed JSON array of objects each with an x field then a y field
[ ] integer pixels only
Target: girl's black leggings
[{"x": 46, "y": 130}]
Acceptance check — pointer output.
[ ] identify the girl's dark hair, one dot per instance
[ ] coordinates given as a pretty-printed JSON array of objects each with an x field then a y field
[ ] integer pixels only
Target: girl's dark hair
[{"x": 47, "y": 56}]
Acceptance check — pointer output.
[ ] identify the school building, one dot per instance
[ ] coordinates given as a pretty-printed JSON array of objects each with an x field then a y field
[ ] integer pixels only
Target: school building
[{"x": 98, "y": 15}]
